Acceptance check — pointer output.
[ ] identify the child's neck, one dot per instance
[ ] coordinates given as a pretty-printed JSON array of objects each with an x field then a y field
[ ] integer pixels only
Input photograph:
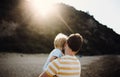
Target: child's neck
[{"x": 59, "y": 48}]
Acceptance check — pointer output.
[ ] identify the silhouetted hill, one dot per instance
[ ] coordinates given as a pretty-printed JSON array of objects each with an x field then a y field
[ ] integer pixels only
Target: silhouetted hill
[{"x": 27, "y": 35}]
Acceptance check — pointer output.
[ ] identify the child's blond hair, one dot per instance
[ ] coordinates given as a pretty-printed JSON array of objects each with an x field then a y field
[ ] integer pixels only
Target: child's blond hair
[{"x": 60, "y": 40}]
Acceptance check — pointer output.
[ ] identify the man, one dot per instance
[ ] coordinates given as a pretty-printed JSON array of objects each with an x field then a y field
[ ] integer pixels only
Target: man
[{"x": 68, "y": 65}]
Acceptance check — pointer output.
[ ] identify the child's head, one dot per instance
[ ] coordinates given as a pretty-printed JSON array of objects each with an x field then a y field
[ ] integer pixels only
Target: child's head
[{"x": 60, "y": 40}]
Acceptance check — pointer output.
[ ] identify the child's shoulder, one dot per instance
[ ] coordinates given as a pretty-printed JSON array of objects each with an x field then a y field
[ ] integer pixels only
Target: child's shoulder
[{"x": 56, "y": 50}]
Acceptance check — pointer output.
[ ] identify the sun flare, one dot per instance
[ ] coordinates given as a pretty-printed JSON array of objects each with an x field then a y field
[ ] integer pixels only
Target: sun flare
[{"x": 42, "y": 7}]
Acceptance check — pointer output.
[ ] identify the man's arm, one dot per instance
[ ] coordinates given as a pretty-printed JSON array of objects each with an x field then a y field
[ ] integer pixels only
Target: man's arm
[
  {"x": 44, "y": 74},
  {"x": 51, "y": 69}
]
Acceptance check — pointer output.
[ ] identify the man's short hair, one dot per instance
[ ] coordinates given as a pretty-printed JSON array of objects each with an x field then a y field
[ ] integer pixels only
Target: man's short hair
[
  {"x": 60, "y": 40},
  {"x": 75, "y": 42}
]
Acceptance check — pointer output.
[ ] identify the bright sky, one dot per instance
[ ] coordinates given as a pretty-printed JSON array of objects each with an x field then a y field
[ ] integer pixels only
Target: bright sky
[{"x": 106, "y": 12}]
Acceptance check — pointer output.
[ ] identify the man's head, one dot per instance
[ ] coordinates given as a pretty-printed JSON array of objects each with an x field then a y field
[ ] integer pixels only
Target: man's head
[{"x": 74, "y": 42}]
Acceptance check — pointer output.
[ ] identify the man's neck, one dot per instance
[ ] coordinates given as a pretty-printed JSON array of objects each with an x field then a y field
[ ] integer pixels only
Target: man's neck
[{"x": 70, "y": 53}]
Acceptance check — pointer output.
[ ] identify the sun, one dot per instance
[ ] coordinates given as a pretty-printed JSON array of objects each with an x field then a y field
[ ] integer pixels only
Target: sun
[{"x": 42, "y": 7}]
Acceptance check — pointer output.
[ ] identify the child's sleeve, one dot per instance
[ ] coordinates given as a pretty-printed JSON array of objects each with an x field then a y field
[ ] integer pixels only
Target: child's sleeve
[{"x": 57, "y": 53}]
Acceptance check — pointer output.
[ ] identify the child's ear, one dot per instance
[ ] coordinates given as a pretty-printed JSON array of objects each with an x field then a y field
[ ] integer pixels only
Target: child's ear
[{"x": 65, "y": 44}]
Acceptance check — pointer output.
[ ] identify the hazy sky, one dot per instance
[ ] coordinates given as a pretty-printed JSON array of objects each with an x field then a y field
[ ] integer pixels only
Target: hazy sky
[{"x": 106, "y": 12}]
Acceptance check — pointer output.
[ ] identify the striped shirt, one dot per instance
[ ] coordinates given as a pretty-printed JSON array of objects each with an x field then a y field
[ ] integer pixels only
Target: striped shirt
[{"x": 66, "y": 66}]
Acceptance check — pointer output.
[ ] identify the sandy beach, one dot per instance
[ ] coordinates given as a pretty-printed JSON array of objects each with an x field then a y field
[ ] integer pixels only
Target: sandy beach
[{"x": 30, "y": 65}]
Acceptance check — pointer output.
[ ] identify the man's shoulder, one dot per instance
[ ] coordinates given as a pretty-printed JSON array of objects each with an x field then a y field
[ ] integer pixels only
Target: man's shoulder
[{"x": 69, "y": 57}]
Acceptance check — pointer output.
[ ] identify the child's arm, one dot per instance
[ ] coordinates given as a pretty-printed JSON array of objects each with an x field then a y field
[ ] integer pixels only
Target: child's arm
[{"x": 53, "y": 58}]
